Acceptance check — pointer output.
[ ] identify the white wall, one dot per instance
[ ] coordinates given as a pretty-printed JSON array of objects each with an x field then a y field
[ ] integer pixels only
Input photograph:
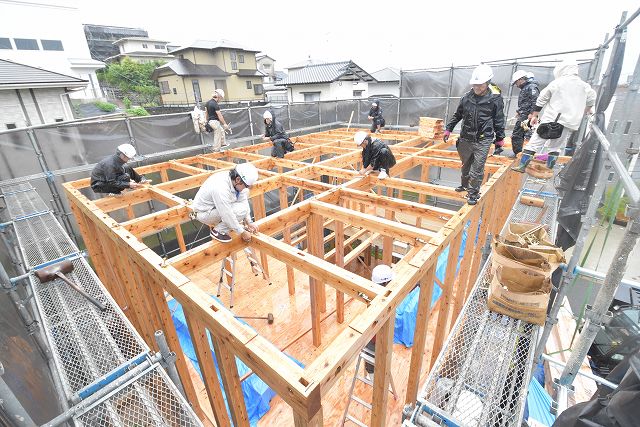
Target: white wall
[
  {"x": 136, "y": 46},
  {"x": 48, "y": 20},
  {"x": 386, "y": 88},
  {"x": 52, "y": 106},
  {"x": 328, "y": 91}
]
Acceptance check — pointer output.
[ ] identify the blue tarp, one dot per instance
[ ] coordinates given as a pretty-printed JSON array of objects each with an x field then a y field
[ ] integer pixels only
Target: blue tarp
[
  {"x": 407, "y": 310},
  {"x": 257, "y": 393},
  {"x": 539, "y": 404}
]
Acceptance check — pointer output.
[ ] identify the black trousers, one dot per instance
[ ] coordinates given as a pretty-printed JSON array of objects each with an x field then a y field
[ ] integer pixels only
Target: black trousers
[{"x": 473, "y": 155}]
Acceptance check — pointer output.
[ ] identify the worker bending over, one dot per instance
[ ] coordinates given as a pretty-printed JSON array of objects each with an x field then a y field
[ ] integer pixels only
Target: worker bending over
[
  {"x": 482, "y": 115},
  {"x": 375, "y": 155},
  {"x": 223, "y": 203},
  {"x": 274, "y": 132},
  {"x": 565, "y": 100},
  {"x": 113, "y": 175}
]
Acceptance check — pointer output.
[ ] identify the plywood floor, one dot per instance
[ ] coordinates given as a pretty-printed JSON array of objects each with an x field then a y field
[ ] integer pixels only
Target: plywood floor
[{"x": 291, "y": 332}]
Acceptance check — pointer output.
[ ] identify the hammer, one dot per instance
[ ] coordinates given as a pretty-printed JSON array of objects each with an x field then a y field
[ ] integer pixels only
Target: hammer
[
  {"x": 58, "y": 271},
  {"x": 269, "y": 317}
]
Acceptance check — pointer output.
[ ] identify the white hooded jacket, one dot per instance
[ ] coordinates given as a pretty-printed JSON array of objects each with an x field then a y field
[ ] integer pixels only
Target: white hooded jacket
[{"x": 567, "y": 95}]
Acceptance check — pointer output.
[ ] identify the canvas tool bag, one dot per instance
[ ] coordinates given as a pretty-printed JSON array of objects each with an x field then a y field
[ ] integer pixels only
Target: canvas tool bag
[{"x": 519, "y": 293}]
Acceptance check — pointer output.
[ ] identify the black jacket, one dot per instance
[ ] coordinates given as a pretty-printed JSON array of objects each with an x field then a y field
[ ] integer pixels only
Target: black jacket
[
  {"x": 482, "y": 116},
  {"x": 275, "y": 130},
  {"x": 376, "y": 112},
  {"x": 377, "y": 154},
  {"x": 112, "y": 175},
  {"x": 527, "y": 98}
]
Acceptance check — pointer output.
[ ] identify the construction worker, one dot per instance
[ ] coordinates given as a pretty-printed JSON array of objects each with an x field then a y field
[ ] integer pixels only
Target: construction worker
[
  {"x": 527, "y": 97},
  {"x": 222, "y": 202},
  {"x": 381, "y": 275},
  {"x": 565, "y": 100},
  {"x": 375, "y": 115},
  {"x": 113, "y": 175},
  {"x": 274, "y": 132},
  {"x": 376, "y": 155},
  {"x": 482, "y": 115},
  {"x": 215, "y": 121}
]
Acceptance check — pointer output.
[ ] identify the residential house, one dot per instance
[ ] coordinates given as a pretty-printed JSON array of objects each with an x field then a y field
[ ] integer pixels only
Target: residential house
[
  {"x": 305, "y": 63},
  {"x": 327, "y": 82},
  {"x": 33, "y": 96},
  {"x": 267, "y": 65},
  {"x": 58, "y": 46},
  {"x": 387, "y": 83},
  {"x": 141, "y": 50},
  {"x": 101, "y": 38},
  {"x": 207, "y": 65}
]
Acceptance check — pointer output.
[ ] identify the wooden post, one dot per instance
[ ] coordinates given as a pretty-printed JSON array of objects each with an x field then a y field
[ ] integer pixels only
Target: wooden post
[
  {"x": 420, "y": 335},
  {"x": 387, "y": 241},
  {"x": 382, "y": 373},
  {"x": 464, "y": 281},
  {"x": 260, "y": 212},
  {"x": 447, "y": 296},
  {"x": 284, "y": 204},
  {"x": 303, "y": 421},
  {"x": 487, "y": 213},
  {"x": 180, "y": 238},
  {"x": 339, "y": 260},
  {"x": 231, "y": 381},
  {"x": 205, "y": 359},
  {"x": 315, "y": 245}
]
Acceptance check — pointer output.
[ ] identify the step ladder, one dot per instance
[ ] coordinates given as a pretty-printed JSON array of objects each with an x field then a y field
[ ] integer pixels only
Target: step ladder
[
  {"x": 367, "y": 356},
  {"x": 228, "y": 272}
]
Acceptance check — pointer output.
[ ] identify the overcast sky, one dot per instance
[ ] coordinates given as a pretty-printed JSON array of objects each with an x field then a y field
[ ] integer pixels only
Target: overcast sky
[{"x": 377, "y": 34}]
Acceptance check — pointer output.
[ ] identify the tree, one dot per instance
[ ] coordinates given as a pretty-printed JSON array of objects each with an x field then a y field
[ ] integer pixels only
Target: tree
[{"x": 133, "y": 78}]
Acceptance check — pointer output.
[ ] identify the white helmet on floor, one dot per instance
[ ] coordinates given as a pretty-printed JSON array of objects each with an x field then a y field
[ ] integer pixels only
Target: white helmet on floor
[
  {"x": 381, "y": 274},
  {"x": 128, "y": 150},
  {"x": 482, "y": 74},
  {"x": 359, "y": 137},
  {"x": 267, "y": 115},
  {"x": 518, "y": 75},
  {"x": 247, "y": 173},
  {"x": 219, "y": 92}
]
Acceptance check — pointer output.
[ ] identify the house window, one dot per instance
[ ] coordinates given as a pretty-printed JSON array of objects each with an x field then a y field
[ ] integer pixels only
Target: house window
[
  {"x": 175, "y": 92},
  {"x": 10, "y": 125},
  {"x": 181, "y": 56},
  {"x": 234, "y": 65},
  {"x": 232, "y": 55},
  {"x": 248, "y": 84},
  {"x": 158, "y": 46},
  {"x": 241, "y": 59},
  {"x": 58, "y": 120},
  {"x": 196, "y": 90},
  {"x": 26, "y": 44},
  {"x": 145, "y": 46},
  {"x": 258, "y": 89},
  {"x": 311, "y": 96},
  {"x": 164, "y": 88},
  {"x": 357, "y": 93},
  {"x": 266, "y": 66},
  {"x": 5, "y": 43},
  {"x": 51, "y": 45}
]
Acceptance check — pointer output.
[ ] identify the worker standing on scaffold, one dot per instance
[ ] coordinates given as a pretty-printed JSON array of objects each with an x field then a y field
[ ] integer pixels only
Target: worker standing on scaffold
[{"x": 482, "y": 113}]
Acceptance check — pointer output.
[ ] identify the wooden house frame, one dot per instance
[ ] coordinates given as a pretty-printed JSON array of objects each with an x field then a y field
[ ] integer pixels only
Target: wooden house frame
[{"x": 325, "y": 164}]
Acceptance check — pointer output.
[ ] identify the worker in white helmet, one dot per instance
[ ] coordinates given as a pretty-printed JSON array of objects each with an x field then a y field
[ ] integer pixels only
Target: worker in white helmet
[
  {"x": 482, "y": 113},
  {"x": 222, "y": 202},
  {"x": 113, "y": 175},
  {"x": 376, "y": 156},
  {"x": 215, "y": 121},
  {"x": 274, "y": 132},
  {"x": 380, "y": 275},
  {"x": 527, "y": 97},
  {"x": 375, "y": 115}
]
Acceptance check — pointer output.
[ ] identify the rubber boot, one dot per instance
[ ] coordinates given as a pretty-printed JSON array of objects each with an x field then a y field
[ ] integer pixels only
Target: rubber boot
[
  {"x": 524, "y": 161},
  {"x": 551, "y": 160}
]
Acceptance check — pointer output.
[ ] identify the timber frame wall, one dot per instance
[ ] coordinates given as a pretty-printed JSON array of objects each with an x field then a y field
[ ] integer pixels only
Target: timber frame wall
[{"x": 325, "y": 164}]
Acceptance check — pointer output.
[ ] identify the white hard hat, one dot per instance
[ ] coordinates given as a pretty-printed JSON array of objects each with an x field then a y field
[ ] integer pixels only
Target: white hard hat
[
  {"x": 128, "y": 150},
  {"x": 381, "y": 274},
  {"x": 482, "y": 74},
  {"x": 518, "y": 75},
  {"x": 219, "y": 92},
  {"x": 359, "y": 137},
  {"x": 247, "y": 173},
  {"x": 267, "y": 115}
]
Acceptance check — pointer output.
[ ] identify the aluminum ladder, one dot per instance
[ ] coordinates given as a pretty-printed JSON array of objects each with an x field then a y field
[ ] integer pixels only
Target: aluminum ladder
[{"x": 228, "y": 271}]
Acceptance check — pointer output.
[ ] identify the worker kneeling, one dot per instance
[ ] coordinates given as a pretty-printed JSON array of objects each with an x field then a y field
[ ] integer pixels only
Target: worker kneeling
[
  {"x": 375, "y": 155},
  {"x": 223, "y": 203},
  {"x": 380, "y": 275},
  {"x": 274, "y": 132}
]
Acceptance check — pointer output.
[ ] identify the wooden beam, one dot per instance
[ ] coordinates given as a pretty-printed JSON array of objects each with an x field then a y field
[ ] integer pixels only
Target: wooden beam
[{"x": 382, "y": 374}]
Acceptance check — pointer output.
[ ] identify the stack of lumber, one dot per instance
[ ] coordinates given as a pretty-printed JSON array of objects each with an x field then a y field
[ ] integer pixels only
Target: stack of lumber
[{"x": 431, "y": 127}]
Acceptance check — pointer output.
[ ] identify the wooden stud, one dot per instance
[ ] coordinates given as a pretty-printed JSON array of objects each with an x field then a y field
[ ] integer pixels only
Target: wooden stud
[
  {"x": 231, "y": 380},
  {"x": 286, "y": 233},
  {"x": 314, "y": 231},
  {"x": 382, "y": 374}
]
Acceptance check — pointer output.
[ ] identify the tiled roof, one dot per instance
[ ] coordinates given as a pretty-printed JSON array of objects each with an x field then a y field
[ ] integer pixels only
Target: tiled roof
[
  {"x": 387, "y": 75},
  {"x": 214, "y": 44},
  {"x": 326, "y": 73},
  {"x": 184, "y": 67},
  {"x": 14, "y": 74},
  {"x": 250, "y": 73}
]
